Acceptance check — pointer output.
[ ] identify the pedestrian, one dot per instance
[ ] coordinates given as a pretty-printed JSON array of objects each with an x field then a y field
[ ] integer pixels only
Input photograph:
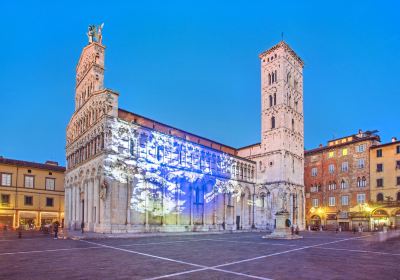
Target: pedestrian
[
  {"x": 55, "y": 228},
  {"x": 354, "y": 230},
  {"x": 82, "y": 226}
]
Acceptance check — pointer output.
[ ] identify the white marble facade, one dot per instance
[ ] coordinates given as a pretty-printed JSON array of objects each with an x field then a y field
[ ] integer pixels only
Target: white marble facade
[{"x": 123, "y": 176}]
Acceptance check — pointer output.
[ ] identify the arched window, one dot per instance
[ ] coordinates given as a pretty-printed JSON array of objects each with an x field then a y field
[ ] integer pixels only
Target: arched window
[
  {"x": 293, "y": 124},
  {"x": 364, "y": 182},
  {"x": 272, "y": 122},
  {"x": 276, "y": 76},
  {"x": 379, "y": 197},
  {"x": 273, "y": 77},
  {"x": 270, "y": 101},
  {"x": 274, "y": 98},
  {"x": 359, "y": 182},
  {"x": 262, "y": 200},
  {"x": 398, "y": 196},
  {"x": 343, "y": 184},
  {"x": 269, "y": 79}
]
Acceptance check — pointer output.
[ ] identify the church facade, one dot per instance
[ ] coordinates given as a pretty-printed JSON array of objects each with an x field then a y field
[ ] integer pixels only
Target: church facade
[{"x": 129, "y": 173}]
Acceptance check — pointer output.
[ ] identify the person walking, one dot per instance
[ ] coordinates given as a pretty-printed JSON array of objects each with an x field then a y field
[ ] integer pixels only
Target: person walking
[
  {"x": 55, "y": 229},
  {"x": 82, "y": 226}
]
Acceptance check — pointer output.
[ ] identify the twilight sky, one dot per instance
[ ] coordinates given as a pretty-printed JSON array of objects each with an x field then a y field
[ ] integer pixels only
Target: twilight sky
[{"x": 194, "y": 65}]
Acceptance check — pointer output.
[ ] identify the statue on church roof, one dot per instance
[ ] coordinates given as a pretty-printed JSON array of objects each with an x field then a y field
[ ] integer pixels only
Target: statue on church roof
[{"x": 95, "y": 33}]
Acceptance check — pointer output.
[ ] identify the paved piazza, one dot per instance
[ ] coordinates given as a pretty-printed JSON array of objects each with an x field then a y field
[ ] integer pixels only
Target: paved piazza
[{"x": 319, "y": 255}]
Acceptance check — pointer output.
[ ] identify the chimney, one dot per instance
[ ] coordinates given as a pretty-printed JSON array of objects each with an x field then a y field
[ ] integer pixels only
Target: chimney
[
  {"x": 50, "y": 162},
  {"x": 320, "y": 145},
  {"x": 394, "y": 139}
]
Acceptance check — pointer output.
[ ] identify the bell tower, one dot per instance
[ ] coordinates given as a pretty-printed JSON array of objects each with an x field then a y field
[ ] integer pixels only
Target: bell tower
[
  {"x": 282, "y": 123},
  {"x": 90, "y": 68}
]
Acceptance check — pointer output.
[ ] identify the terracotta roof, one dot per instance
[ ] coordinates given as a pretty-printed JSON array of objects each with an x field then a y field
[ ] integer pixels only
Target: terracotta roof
[
  {"x": 32, "y": 164},
  {"x": 284, "y": 45},
  {"x": 320, "y": 149},
  {"x": 386, "y": 144}
]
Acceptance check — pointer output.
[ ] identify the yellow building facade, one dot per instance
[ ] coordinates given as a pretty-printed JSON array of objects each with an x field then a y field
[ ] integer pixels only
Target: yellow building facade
[
  {"x": 385, "y": 184},
  {"x": 31, "y": 194}
]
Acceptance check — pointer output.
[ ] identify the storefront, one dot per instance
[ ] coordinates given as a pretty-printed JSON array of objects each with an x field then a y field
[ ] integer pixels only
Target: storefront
[
  {"x": 28, "y": 220},
  {"x": 397, "y": 219},
  {"x": 315, "y": 222},
  {"x": 380, "y": 219},
  {"x": 47, "y": 218},
  {"x": 343, "y": 220},
  {"x": 359, "y": 221},
  {"x": 7, "y": 219},
  {"x": 331, "y": 221}
]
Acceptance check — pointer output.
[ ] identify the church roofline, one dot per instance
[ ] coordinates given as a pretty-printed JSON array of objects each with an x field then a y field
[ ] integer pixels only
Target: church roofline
[
  {"x": 284, "y": 45},
  {"x": 248, "y": 146},
  {"x": 228, "y": 149}
]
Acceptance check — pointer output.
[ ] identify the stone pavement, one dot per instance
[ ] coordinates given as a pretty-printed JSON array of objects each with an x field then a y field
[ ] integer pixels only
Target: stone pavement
[{"x": 319, "y": 255}]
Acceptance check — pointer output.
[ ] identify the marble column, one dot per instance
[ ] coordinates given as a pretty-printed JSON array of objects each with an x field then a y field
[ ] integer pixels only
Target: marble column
[
  {"x": 291, "y": 207},
  {"x": 85, "y": 204},
  {"x": 90, "y": 202}
]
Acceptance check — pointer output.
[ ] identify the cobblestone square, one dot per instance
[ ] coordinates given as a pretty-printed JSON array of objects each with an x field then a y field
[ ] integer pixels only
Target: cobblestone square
[{"x": 319, "y": 255}]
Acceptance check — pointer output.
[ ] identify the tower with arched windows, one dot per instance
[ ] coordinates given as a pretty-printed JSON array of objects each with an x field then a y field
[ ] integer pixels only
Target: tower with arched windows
[{"x": 282, "y": 128}]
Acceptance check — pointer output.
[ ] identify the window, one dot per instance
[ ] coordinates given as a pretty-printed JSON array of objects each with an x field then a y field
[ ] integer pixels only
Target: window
[
  {"x": 345, "y": 200},
  {"x": 292, "y": 124},
  {"x": 28, "y": 200},
  {"x": 50, "y": 184},
  {"x": 398, "y": 181},
  {"x": 344, "y": 152},
  {"x": 379, "y": 197},
  {"x": 331, "y": 168},
  {"x": 361, "y": 148},
  {"x": 398, "y": 149},
  {"x": 29, "y": 181},
  {"x": 398, "y": 196},
  {"x": 5, "y": 179},
  {"x": 5, "y": 200},
  {"x": 272, "y": 122},
  {"x": 379, "y": 167},
  {"x": 363, "y": 182},
  {"x": 314, "y": 188},
  {"x": 49, "y": 202},
  {"x": 315, "y": 202},
  {"x": 270, "y": 101},
  {"x": 361, "y": 198},
  {"x": 345, "y": 166},
  {"x": 379, "y": 153},
  {"x": 332, "y": 186},
  {"x": 314, "y": 171},
  {"x": 379, "y": 182},
  {"x": 361, "y": 163},
  {"x": 397, "y": 164},
  {"x": 331, "y": 154},
  {"x": 274, "y": 98},
  {"x": 332, "y": 201},
  {"x": 343, "y": 184}
]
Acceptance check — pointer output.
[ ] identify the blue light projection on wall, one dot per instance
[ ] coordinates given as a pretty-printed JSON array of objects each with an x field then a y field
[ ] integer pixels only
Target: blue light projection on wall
[{"x": 164, "y": 171}]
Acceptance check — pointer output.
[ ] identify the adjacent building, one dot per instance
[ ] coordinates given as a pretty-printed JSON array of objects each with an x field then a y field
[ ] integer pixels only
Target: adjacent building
[
  {"x": 31, "y": 194},
  {"x": 385, "y": 184},
  {"x": 337, "y": 182},
  {"x": 129, "y": 173}
]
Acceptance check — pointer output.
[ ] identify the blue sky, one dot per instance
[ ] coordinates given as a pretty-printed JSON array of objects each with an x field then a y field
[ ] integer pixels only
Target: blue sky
[{"x": 194, "y": 65}]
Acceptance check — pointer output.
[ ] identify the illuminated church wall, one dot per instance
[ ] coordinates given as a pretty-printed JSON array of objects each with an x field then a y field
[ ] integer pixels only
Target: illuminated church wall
[{"x": 171, "y": 181}]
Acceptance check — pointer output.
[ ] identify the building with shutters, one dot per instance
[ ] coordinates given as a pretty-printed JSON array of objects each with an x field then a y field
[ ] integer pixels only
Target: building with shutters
[{"x": 31, "y": 194}]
